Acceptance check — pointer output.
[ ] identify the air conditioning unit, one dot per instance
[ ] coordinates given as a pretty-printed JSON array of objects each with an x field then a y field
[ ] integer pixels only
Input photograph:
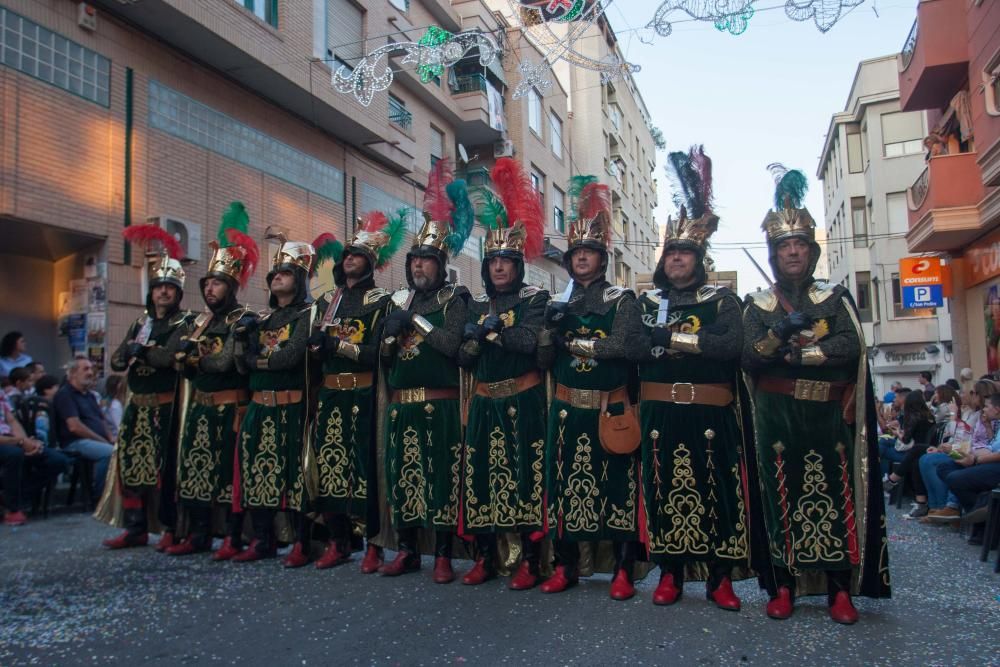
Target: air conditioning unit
[
  {"x": 503, "y": 148},
  {"x": 188, "y": 233}
]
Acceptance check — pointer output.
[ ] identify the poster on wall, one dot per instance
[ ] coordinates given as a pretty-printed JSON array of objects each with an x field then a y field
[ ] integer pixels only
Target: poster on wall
[
  {"x": 97, "y": 295},
  {"x": 991, "y": 312},
  {"x": 77, "y": 331},
  {"x": 79, "y": 296}
]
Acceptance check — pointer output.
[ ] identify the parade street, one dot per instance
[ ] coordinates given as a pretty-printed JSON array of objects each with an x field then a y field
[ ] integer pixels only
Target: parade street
[{"x": 64, "y": 600}]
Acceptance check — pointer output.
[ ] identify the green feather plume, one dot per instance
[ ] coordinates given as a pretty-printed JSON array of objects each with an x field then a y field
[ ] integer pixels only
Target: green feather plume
[
  {"x": 396, "y": 230},
  {"x": 462, "y": 218},
  {"x": 790, "y": 188},
  {"x": 490, "y": 209},
  {"x": 576, "y": 186},
  {"x": 328, "y": 248},
  {"x": 236, "y": 218}
]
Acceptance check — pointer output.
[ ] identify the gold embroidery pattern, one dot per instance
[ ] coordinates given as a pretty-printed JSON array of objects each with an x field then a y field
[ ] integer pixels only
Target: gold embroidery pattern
[
  {"x": 582, "y": 490},
  {"x": 409, "y": 346},
  {"x": 531, "y": 512},
  {"x": 199, "y": 464},
  {"x": 411, "y": 479},
  {"x": 815, "y": 514},
  {"x": 684, "y": 508},
  {"x": 584, "y": 364},
  {"x": 448, "y": 516},
  {"x": 356, "y": 479},
  {"x": 736, "y": 546},
  {"x": 272, "y": 340},
  {"x": 261, "y": 484},
  {"x": 333, "y": 457},
  {"x": 142, "y": 449},
  {"x": 624, "y": 518}
]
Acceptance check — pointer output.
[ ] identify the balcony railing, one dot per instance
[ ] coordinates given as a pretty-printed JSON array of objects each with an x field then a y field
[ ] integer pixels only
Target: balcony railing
[
  {"x": 477, "y": 176},
  {"x": 469, "y": 83},
  {"x": 917, "y": 192},
  {"x": 398, "y": 115},
  {"x": 909, "y": 46}
]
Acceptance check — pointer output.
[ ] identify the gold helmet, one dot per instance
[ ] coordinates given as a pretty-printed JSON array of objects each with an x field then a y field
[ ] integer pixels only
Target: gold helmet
[
  {"x": 789, "y": 218},
  {"x": 234, "y": 253},
  {"x": 163, "y": 254},
  {"x": 590, "y": 226},
  {"x": 290, "y": 254}
]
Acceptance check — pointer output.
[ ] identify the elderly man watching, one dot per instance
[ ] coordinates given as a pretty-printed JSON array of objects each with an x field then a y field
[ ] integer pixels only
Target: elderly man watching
[{"x": 80, "y": 424}]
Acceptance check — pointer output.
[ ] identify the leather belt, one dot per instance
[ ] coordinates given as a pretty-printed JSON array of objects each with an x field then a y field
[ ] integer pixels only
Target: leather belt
[
  {"x": 804, "y": 390},
  {"x": 224, "y": 397},
  {"x": 272, "y": 397},
  {"x": 347, "y": 381},
  {"x": 589, "y": 399},
  {"x": 686, "y": 393},
  {"x": 153, "y": 400},
  {"x": 508, "y": 388},
  {"x": 421, "y": 395}
]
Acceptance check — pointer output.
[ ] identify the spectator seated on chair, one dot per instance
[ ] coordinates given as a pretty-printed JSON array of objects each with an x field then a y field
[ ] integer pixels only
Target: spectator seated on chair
[
  {"x": 13, "y": 355},
  {"x": 917, "y": 431},
  {"x": 978, "y": 472},
  {"x": 890, "y": 436},
  {"x": 79, "y": 422},
  {"x": 22, "y": 456}
]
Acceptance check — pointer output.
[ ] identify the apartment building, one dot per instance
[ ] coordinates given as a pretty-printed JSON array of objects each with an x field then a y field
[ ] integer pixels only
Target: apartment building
[
  {"x": 119, "y": 112},
  {"x": 950, "y": 66},
  {"x": 872, "y": 153}
]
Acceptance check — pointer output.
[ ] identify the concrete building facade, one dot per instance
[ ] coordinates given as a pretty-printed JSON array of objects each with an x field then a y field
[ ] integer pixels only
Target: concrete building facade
[{"x": 872, "y": 153}]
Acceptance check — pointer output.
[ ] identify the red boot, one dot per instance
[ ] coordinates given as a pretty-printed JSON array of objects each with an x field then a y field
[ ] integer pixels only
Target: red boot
[
  {"x": 15, "y": 519},
  {"x": 297, "y": 557},
  {"x": 480, "y": 573},
  {"x": 255, "y": 552},
  {"x": 842, "y": 610},
  {"x": 559, "y": 581},
  {"x": 333, "y": 556},
  {"x": 724, "y": 597},
  {"x": 443, "y": 574},
  {"x": 621, "y": 586},
  {"x": 373, "y": 560},
  {"x": 126, "y": 540},
  {"x": 227, "y": 551},
  {"x": 187, "y": 547},
  {"x": 165, "y": 542},
  {"x": 781, "y": 607},
  {"x": 403, "y": 563},
  {"x": 666, "y": 592},
  {"x": 526, "y": 577}
]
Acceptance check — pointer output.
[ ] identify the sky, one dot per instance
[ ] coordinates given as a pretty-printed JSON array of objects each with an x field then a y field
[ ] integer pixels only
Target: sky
[{"x": 764, "y": 96}]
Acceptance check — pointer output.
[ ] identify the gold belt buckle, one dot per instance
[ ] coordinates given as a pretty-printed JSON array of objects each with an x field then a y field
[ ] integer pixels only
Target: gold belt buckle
[
  {"x": 341, "y": 377},
  {"x": 412, "y": 395},
  {"x": 585, "y": 399},
  {"x": 502, "y": 388},
  {"x": 812, "y": 390},
  {"x": 673, "y": 393}
]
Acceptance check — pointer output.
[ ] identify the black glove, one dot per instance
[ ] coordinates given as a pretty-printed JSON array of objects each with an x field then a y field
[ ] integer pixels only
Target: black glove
[
  {"x": 555, "y": 311},
  {"x": 493, "y": 324},
  {"x": 397, "y": 322},
  {"x": 331, "y": 344},
  {"x": 250, "y": 358},
  {"x": 188, "y": 347},
  {"x": 474, "y": 332},
  {"x": 317, "y": 340},
  {"x": 660, "y": 336},
  {"x": 135, "y": 351},
  {"x": 560, "y": 342},
  {"x": 245, "y": 327},
  {"x": 791, "y": 324}
]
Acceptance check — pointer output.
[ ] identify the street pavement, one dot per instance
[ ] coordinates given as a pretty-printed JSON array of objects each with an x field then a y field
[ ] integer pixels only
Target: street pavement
[{"x": 64, "y": 600}]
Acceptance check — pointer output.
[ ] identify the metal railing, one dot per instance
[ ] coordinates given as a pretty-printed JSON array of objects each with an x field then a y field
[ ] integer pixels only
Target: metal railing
[
  {"x": 398, "y": 115},
  {"x": 917, "y": 193},
  {"x": 909, "y": 46},
  {"x": 469, "y": 83}
]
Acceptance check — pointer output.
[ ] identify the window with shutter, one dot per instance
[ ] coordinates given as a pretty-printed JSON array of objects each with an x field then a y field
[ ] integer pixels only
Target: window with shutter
[{"x": 344, "y": 33}]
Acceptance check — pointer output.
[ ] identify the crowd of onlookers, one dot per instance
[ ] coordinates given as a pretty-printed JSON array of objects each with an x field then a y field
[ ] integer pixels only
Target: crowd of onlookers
[
  {"x": 943, "y": 443},
  {"x": 48, "y": 424}
]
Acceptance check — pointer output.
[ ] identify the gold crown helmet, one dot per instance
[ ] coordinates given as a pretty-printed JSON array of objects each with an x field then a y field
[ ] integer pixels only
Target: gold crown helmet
[
  {"x": 225, "y": 261},
  {"x": 290, "y": 254},
  {"x": 789, "y": 217},
  {"x": 591, "y": 223},
  {"x": 514, "y": 220},
  {"x": 432, "y": 234},
  {"x": 506, "y": 239},
  {"x": 163, "y": 254},
  {"x": 691, "y": 233},
  {"x": 234, "y": 253}
]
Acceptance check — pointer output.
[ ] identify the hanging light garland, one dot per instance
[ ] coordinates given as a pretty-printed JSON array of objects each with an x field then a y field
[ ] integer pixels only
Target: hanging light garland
[
  {"x": 434, "y": 37},
  {"x": 372, "y": 74},
  {"x": 733, "y": 16}
]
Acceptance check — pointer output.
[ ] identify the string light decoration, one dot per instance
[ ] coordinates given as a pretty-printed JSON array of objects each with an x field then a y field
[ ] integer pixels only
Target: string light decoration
[
  {"x": 373, "y": 74},
  {"x": 824, "y": 13},
  {"x": 537, "y": 19},
  {"x": 434, "y": 36},
  {"x": 732, "y": 16}
]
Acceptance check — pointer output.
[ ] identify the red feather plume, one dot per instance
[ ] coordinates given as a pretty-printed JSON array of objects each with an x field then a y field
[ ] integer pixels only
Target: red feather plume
[
  {"x": 595, "y": 198},
  {"x": 522, "y": 202},
  {"x": 373, "y": 221},
  {"x": 437, "y": 204},
  {"x": 146, "y": 236},
  {"x": 251, "y": 253}
]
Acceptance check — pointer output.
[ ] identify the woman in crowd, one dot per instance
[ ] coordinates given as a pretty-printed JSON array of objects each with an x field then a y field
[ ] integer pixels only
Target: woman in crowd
[
  {"x": 917, "y": 426},
  {"x": 13, "y": 352}
]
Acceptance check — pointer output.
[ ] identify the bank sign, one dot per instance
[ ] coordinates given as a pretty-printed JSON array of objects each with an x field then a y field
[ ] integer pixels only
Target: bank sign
[{"x": 921, "y": 280}]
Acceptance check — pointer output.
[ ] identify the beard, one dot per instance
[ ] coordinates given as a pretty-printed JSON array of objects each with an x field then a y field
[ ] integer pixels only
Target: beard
[{"x": 423, "y": 282}]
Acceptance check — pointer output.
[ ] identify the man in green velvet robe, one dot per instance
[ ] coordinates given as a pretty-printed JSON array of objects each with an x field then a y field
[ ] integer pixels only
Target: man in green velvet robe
[
  {"x": 817, "y": 458},
  {"x": 592, "y": 494}
]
